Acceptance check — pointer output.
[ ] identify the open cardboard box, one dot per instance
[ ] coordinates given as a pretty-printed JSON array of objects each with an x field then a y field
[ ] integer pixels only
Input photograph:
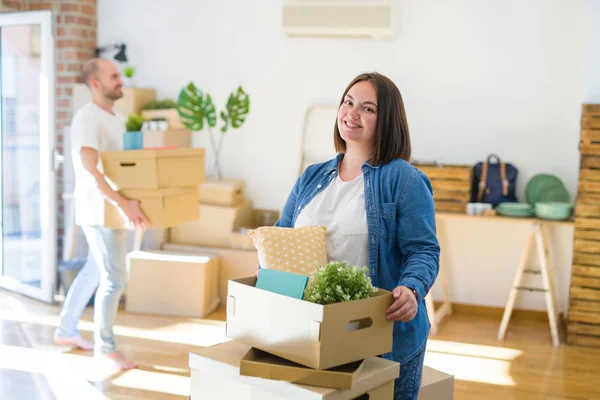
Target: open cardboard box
[
  {"x": 264, "y": 365},
  {"x": 154, "y": 169},
  {"x": 215, "y": 374},
  {"x": 316, "y": 336}
]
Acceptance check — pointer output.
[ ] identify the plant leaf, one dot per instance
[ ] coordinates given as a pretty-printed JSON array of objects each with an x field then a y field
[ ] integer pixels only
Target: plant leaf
[
  {"x": 209, "y": 111},
  {"x": 225, "y": 122},
  {"x": 238, "y": 106},
  {"x": 193, "y": 107}
]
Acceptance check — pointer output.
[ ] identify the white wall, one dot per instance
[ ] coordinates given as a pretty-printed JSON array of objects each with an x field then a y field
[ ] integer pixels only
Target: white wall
[
  {"x": 476, "y": 77},
  {"x": 592, "y": 62}
]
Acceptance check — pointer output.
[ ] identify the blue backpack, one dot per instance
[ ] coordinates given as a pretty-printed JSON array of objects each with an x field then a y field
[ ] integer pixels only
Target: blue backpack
[{"x": 494, "y": 183}]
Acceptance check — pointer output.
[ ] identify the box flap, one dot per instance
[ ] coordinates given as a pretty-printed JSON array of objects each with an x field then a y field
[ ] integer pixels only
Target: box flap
[
  {"x": 261, "y": 364},
  {"x": 151, "y": 153},
  {"x": 224, "y": 360}
]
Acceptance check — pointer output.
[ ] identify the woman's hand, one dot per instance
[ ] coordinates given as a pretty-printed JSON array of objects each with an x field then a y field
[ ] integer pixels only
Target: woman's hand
[{"x": 405, "y": 307}]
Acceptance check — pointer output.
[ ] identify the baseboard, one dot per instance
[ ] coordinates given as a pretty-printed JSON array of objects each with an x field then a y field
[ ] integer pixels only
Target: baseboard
[{"x": 497, "y": 312}]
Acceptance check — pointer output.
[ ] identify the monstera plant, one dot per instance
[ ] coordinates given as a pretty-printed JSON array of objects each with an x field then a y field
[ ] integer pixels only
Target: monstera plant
[{"x": 196, "y": 110}]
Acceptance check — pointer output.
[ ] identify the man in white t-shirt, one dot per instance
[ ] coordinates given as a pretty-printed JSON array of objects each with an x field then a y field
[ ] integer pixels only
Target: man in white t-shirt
[{"x": 97, "y": 128}]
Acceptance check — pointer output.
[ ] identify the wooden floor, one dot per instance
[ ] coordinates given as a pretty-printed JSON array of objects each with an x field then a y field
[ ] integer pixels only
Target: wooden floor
[{"x": 524, "y": 366}]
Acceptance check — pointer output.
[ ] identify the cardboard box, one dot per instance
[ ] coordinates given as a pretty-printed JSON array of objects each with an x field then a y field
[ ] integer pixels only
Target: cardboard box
[
  {"x": 241, "y": 240},
  {"x": 214, "y": 226},
  {"x": 309, "y": 334},
  {"x": 234, "y": 263},
  {"x": 264, "y": 365},
  {"x": 227, "y": 193},
  {"x": 215, "y": 374},
  {"x": 181, "y": 138},
  {"x": 170, "y": 114},
  {"x": 166, "y": 283},
  {"x": 436, "y": 385},
  {"x": 154, "y": 169},
  {"x": 133, "y": 100},
  {"x": 163, "y": 207}
]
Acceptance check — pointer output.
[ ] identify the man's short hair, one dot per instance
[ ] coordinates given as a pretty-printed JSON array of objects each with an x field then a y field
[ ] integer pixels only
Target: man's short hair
[{"x": 90, "y": 70}]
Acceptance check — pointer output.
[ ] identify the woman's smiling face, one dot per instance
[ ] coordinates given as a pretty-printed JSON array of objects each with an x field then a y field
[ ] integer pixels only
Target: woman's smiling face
[{"x": 357, "y": 115}]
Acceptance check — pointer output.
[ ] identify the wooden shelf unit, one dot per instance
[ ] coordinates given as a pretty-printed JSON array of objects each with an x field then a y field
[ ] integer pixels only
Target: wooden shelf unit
[
  {"x": 583, "y": 326},
  {"x": 451, "y": 186}
]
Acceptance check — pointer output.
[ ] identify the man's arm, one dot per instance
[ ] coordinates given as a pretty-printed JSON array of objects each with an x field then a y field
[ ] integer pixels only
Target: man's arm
[{"x": 131, "y": 208}]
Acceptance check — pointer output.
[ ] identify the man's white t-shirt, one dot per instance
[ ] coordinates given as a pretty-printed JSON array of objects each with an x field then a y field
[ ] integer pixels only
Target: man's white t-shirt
[
  {"x": 96, "y": 128},
  {"x": 341, "y": 208}
]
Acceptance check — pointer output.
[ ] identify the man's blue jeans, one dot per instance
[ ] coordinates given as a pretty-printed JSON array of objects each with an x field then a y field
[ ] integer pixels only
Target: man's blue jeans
[{"x": 108, "y": 272}]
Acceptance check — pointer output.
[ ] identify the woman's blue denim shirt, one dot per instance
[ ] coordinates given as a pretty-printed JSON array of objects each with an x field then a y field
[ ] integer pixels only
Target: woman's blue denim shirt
[{"x": 403, "y": 248}]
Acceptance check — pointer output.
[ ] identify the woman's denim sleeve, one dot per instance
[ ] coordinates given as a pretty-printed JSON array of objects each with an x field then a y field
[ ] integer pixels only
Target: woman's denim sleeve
[
  {"x": 416, "y": 235},
  {"x": 286, "y": 219}
]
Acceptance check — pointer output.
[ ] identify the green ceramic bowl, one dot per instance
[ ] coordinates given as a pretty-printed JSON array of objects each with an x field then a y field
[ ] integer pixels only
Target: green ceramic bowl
[
  {"x": 517, "y": 210},
  {"x": 546, "y": 185},
  {"x": 553, "y": 210}
]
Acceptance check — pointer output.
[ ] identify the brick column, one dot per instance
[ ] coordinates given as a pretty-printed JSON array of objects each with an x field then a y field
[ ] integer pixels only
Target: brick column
[
  {"x": 13, "y": 6},
  {"x": 75, "y": 28}
]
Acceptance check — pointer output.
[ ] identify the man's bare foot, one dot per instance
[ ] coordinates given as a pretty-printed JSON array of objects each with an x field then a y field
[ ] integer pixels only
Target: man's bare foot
[
  {"x": 120, "y": 359},
  {"x": 75, "y": 341}
]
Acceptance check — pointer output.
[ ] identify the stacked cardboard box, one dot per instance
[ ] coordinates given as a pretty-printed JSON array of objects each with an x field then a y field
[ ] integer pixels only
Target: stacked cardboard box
[
  {"x": 289, "y": 348},
  {"x": 173, "y": 137},
  {"x": 223, "y": 209},
  {"x": 164, "y": 181},
  {"x": 172, "y": 283},
  {"x": 584, "y": 300}
]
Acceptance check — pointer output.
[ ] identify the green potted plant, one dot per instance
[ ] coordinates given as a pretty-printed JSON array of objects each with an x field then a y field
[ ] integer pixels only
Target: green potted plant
[
  {"x": 197, "y": 111},
  {"x": 337, "y": 281},
  {"x": 133, "y": 139},
  {"x": 166, "y": 109},
  {"x": 128, "y": 73}
]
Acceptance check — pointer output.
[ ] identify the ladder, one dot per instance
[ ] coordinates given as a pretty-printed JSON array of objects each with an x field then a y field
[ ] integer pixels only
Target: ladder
[{"x": 538, "y": 236}]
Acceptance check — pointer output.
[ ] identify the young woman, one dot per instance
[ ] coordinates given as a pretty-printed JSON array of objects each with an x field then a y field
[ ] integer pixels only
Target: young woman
[{"x": 378, "y": 210}]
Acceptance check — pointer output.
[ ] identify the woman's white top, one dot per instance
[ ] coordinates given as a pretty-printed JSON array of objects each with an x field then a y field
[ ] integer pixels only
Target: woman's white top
[{"x": 341, "y": 208}]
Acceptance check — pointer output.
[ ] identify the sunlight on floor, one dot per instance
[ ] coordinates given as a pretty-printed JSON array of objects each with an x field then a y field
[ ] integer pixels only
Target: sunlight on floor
[
  {"x": 474, "y": 363},
  {"x": 64, "y": 387},
  {"x": 56, "y": 364},
  {"x": 69, "y": 375},
  {"x": 475, "y": 350},
  {"x": 195, "y": 333},
  {"x": 155, "y": 382}
]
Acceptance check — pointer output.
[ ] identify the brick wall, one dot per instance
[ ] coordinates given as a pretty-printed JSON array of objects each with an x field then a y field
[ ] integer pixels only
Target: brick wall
[
  {"x": 12, "y": 6},
  {"x": 75, "y": 44}
]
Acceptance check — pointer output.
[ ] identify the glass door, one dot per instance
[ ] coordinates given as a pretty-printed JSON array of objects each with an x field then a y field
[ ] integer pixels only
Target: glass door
[{"x": 27, "y": 142}]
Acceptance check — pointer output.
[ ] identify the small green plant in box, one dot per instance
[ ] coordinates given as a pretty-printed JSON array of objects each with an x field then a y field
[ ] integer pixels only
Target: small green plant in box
[
  {"x": 164, "y": 104},
  {"x": 337, "y": 282},
  {"x": 134, "y": 123}
]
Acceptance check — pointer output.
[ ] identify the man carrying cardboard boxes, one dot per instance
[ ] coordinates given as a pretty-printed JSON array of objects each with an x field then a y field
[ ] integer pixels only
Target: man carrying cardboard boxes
[{"x": 96, "y": 128}]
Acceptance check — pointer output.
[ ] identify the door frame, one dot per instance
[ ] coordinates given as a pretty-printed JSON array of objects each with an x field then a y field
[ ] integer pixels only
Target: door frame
[{"x": 48, "y": 168}]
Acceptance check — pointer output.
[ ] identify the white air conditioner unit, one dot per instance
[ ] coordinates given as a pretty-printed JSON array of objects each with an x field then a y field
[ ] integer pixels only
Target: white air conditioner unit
[{"x": 339, "y": 18}]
